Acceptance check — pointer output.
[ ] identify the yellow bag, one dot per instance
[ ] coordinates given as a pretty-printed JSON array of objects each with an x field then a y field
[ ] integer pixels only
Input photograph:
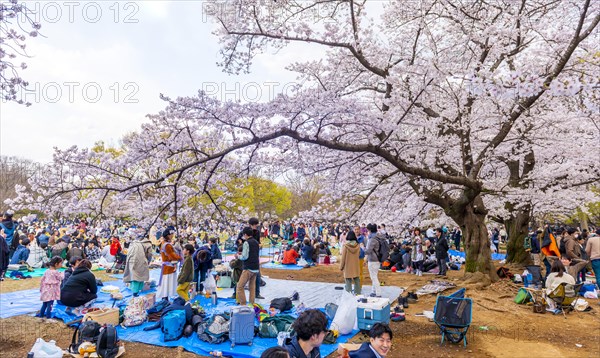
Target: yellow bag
[{"x": 103, "y": 316}]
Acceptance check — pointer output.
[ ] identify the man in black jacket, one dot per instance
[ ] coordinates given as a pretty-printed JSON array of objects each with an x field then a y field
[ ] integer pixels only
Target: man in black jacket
[
  {"x": 250, "y": 257},
  {"x": 441, "y": 250}
]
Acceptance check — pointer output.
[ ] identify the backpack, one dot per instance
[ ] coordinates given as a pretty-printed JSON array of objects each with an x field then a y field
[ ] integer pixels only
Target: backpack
[
  {"x": 135, "y": 313},
  {"x": 215, "y": 330},
  {"x": 271, "y": 326},
  {"x": 87, "y": 331},
  {"x": 172, "y": 324},
  {"x": 383, "y": 253},
  {"x": 107, "y": 346},
  {"x": 282, "y": 304},
  {"x": 115, "y": 248}
]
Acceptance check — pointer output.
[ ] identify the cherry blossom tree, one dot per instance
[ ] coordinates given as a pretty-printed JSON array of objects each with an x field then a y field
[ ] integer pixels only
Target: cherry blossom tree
[
  {"x": 16, "y": 24},
  {"x": 459, "y": 105}
]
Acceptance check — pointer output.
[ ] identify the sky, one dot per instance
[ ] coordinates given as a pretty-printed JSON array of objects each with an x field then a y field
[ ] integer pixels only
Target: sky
[{"x": 99, "y": 67}]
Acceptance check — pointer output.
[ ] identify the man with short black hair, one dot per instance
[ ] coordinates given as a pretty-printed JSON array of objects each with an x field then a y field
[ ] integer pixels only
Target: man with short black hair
[
  {"x": 253, "y": 222},
  {"x": 250, "y": 257},
  {"x": 379, "y": 344},
  {"x": 441, "y": 250},
  {"x": 310, "y": 328}
]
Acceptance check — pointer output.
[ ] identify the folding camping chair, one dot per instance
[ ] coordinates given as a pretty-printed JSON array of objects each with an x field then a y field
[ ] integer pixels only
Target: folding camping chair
[
  {"x": 564, "y": 295},
  {"x": 453, "y": 316}
]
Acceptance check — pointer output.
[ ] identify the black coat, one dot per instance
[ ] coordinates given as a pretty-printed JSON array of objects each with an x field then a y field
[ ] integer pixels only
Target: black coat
[
  {"x": 441, "y": 248},
  {"x": 4, "y": 250},
  {"x": 79, "y": 289}
]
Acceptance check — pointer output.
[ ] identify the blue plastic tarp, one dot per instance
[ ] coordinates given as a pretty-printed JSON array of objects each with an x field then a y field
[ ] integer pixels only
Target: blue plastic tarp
[
  {"x": 27, "y": 302},
  {"x": 495, "y": 257},
  {"x": 272, "y": 265}
]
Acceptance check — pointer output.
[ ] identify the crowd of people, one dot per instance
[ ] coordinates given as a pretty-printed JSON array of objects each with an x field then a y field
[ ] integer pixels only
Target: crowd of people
[{"x": 187, "y": 255}]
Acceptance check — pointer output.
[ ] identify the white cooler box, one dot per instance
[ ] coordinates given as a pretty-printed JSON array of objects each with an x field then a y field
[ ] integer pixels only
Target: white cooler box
[{"x": 373, "y": 311}]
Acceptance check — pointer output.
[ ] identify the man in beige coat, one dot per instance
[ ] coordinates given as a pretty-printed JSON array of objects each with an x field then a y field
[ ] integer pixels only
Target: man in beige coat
[{"x": 350, "y": 263}]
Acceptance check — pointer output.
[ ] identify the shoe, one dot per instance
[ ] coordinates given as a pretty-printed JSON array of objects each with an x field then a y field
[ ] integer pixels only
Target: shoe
[
  {"x": 398, "y": 309},
  {"x": 412, "y": 297},
  {"x": 259, "y": 297},
  {"x": 232, "y": 296},
  {"x": 372, "y": 295},
  {"x": 295, "y": 296},
  {"x": 397, "y": 317}
]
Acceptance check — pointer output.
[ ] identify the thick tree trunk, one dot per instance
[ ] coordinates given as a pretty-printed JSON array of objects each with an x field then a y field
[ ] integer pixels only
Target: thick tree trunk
[
  {"x": 477, "y": 243},
  {"x": 517, "y": 228}
]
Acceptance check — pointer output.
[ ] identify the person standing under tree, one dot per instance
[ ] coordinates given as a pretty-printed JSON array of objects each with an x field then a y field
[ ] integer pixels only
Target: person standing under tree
[
  {"x": 250, "y": 257},
  {"x": 136, "y": 270},
  {"x": 373, "y": 261},
  {"x": 349, "y": 264},
  {"x": 167, "y": 285}
]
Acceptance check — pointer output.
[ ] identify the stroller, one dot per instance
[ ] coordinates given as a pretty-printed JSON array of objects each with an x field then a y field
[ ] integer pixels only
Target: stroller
[{"x": 453, "y": 315}]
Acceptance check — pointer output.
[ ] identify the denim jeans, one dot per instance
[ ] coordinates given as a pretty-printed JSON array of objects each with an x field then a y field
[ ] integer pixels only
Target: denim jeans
[
  {"x": 258, "y": 283},
  {"x": 442, "y": 266},
  {"x": 596, "y": 269},
  {"x": 46, "y": 310}
]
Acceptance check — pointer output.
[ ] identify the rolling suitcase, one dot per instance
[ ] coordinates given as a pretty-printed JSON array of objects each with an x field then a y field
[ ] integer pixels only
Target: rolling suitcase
[{"x": 241, "y": 325}]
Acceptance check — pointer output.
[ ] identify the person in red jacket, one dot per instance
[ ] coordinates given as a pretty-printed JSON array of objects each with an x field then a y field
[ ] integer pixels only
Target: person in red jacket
[{"x": 290, "y": 256}]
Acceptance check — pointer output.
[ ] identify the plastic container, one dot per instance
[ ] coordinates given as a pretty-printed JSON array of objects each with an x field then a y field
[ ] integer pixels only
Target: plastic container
[
  {"x": 373, "y": 311},
  {"x": 43, "y": 349}
]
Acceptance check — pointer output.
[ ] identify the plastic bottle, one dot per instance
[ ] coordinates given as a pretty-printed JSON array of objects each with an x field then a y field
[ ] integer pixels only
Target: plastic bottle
[{"x": 525, "y": 277}]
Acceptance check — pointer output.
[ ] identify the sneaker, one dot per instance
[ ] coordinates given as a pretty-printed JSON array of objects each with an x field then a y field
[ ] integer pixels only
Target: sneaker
[
  {"x": 259, "y": 297},
  {"x": 397, "y": 317},
  {"x": 398, "y": 309},
  {"x": 412, "y": 297},
  {"x": 372, "y": 295}
]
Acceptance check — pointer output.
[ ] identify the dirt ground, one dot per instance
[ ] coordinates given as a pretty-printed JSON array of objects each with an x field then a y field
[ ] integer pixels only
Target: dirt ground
[{"x": 500, "y": 327}]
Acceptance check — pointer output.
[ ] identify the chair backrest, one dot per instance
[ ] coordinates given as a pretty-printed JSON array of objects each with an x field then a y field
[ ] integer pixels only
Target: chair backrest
[{"x": 453, "y": 311}]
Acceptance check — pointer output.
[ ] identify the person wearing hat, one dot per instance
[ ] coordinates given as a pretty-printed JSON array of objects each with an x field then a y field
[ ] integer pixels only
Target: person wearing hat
[
  {"x": 22, "y": 253},
  {"x": 167, "y": 285},
  {"x": 137, "y": 270}
]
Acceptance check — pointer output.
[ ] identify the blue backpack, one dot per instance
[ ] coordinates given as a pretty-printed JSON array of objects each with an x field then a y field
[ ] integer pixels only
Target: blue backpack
[{"x": 172, "y": 325}]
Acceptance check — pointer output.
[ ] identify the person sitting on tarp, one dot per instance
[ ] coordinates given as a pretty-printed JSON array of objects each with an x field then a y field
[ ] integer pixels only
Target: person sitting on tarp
[
  {"x": 310, "y": 328},
  {"x": 38, "y": 256},
  {"x": 80, "y": 289},
  {"x": 379, "y": 345},
  {"x": 290, "y": 256},
  {"x": 307, "y": 251},
  {"x": 21, "y": 253}
]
